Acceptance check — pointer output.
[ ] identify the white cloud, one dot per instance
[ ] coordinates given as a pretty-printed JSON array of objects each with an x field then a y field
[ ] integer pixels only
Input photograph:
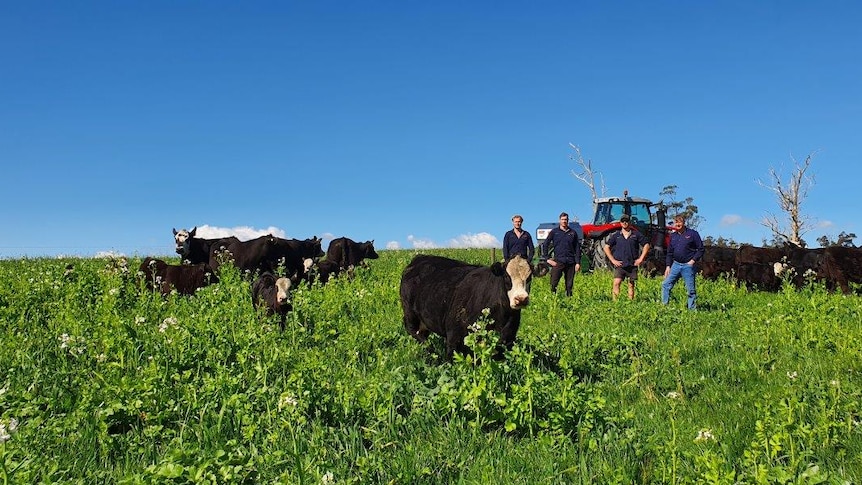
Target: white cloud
[
  {"x": 731, "y": 220},
  {"x": 421, "y": 243},
  {"x": 393, "y": 245},
  {"x": 243, "y": 233},
  {"x": 825, "y": 224},
  {"x": 480, "y": 240}
]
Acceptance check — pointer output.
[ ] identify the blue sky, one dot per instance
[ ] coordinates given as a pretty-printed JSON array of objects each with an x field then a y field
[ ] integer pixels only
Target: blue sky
[{"x": 413, "y": 124}]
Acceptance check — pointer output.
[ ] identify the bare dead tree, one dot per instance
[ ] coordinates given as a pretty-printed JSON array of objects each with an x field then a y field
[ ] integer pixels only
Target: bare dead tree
[
  {"x": 790, "y": 197},
  {"x": 587, "y": 175}
]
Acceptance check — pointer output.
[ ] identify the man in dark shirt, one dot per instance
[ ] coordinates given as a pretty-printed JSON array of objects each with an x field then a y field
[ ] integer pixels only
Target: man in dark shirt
[
  {"x": 518, "y": 241},
  {"x": 623, "y": 249},
  {"x": 564, "y": 244},
  {"x": 684, "y": 250}
]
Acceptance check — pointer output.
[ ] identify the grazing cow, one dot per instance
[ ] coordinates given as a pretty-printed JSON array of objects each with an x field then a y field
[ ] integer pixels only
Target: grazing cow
[
  {"x": 840, "y": 267},
  {"x": 273, "y": 294},
  {"x": 322, "y": 270},
  {"x": 186, "y": 278},
  {"x": 194, "y": 250},
  {"x": 717, "y": 261},
  {"x": 760, "y": 268},
  {"x": 347, "y": 253},
  {"x": 293, "y": 254},
  {"x": 268, "y": 253},
  {"x": 447, "y": 297}
]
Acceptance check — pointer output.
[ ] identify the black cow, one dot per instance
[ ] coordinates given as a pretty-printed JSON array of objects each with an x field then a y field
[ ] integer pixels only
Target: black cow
[
  {"x": 194, "y": 250},
  {"x": 269, "y": 253},
  {"x": 840, "y": 267},
  {"x": 293, "y": 254},
  {"x": 273, "y": 294},
  {"x": 717, "y": 262},
  {"x": 347, "y": 253},
  {"x": 446, "y": 297},
  {"x": 322, "y": 271},
  {"x": 760, "y": 268},
  {"x": 186, "y": 278}
]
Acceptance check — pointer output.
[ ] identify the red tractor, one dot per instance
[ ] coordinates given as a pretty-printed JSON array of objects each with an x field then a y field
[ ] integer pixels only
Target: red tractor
[{"x": 606, "y": 219}]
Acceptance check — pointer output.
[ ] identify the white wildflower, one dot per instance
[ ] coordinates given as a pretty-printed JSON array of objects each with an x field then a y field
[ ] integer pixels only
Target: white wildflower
[
  {"x": 6, "y": 430},
  {"x": 327, "y": 478},
  {"x": 101, "y": 357},
  {"x": 287, "y": 400},
  {"x": 64, "y": 340},
  {"x": 674, "y": 395},
  {"x": 140, "y": 320},
  {"x": 704, "y": 435},
  {"x": 792, "y": 375},
  {"x": 474, "y": 327},
  {"x": 486, "y": 312},
  {"x": 833, "y": 383},
  {"x": 114, "y": 291}
]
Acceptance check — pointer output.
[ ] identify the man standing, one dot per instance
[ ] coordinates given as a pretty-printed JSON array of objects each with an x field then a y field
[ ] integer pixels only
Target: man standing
[
  {"x": 684, "y": 250},
  {"x": 518, "y": 241},
  {"x": 623, "y": 249},
  {"x": 565, "y": 247}
]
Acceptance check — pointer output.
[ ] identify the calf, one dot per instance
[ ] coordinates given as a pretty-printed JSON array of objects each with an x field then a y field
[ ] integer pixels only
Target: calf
[
  {"x": 273, "y": 294},
  {"x": 185, "y": 279},
  {"x": 446, "y": 297}
]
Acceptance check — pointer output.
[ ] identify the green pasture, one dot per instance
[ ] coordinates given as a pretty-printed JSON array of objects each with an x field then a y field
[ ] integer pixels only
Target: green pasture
[{"x": 104, "y": 382}]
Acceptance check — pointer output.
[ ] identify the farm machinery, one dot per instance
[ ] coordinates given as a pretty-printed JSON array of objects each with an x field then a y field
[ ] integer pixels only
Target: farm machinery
[{"x": 606, "y": 219}]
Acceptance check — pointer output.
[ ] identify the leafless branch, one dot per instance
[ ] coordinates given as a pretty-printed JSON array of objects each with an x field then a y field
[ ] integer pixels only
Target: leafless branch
[
  {"x": 790, "y": 197},
  {"x": 587, "y": 175}
]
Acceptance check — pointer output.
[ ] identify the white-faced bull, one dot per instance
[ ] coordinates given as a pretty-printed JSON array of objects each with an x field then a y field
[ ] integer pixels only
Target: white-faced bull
[{"x": 445, "y": 296}]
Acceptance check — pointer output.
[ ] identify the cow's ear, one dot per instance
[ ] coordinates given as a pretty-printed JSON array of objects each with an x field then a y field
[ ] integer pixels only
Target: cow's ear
[
  {"x": 175, "y": 230},
  {"x": 193, "y": 231},
  {"x": 497, "y": 269}
]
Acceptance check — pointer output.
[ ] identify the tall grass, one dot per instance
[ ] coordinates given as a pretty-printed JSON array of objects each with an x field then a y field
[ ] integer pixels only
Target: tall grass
[{"x": 104, "y": 382}]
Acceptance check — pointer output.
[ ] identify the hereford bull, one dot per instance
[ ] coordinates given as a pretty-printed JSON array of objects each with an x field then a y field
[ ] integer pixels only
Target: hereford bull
[
  {"x": 186, "y": 279},
  {"x": 447, "y": 297}
]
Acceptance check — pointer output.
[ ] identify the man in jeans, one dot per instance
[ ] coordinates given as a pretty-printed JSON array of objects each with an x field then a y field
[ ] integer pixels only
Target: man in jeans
[{"x": 684, "y": 250}]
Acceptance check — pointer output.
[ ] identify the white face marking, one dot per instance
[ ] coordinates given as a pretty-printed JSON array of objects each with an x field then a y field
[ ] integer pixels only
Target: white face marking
[
  {"x": 282, "y": 286},
  {"x": 519, "y": 271}
]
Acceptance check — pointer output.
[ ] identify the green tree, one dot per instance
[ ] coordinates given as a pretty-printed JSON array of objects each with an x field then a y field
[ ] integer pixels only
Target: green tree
[{"x": 675, "y": 207}]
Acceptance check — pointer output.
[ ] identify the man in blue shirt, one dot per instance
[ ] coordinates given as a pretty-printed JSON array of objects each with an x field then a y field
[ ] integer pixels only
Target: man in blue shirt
[
  {"x": 564, "y": 244},
  {"x": 518, "y": 241},
  {"x": 623, "y": 249},
  {"x": 684, "y": 250}
]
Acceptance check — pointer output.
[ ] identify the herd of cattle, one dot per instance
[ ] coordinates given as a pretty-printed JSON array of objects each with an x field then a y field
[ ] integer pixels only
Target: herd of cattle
[
  {"x": 448, "y": 297},
  {"x": 264, "y": 257},
  {"x": 766, "y": 268}
]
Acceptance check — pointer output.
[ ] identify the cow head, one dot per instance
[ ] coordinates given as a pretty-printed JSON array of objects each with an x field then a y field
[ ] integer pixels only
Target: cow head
[
  {"x": 282, "y": 293},
  {"x": 367, "y": 250},
  {"x": 520, "y": 272},
  {"x": 182, "y": 238}
]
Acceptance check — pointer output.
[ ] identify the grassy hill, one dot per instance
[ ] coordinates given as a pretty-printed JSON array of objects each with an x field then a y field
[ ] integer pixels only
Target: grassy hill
[{"x": 103, "y": 382}]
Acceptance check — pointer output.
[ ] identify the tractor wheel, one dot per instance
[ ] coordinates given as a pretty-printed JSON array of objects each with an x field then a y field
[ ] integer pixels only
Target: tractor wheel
[{"x": 598, "y": 258}]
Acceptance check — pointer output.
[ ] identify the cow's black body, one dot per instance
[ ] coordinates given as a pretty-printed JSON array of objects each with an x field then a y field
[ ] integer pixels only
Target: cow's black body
[
  {"x": 444, "y": 296},
  {"x": 186, "y": 279}
]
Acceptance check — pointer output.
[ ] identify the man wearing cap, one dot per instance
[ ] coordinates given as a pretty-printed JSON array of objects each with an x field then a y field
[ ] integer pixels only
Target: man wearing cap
[{"x": 626, "y": 250}]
